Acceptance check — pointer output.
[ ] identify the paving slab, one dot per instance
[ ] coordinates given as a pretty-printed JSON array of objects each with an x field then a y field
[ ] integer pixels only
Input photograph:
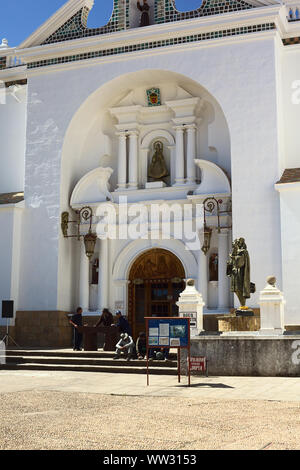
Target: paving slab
[{"x": 227, "y": 388}]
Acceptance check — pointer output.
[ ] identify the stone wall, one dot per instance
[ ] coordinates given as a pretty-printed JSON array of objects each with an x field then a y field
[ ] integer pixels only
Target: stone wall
[
  {"x": 232, "y": 323},
  {"x": 50, "y": 329},
  {"x": 248, "y": 356}
]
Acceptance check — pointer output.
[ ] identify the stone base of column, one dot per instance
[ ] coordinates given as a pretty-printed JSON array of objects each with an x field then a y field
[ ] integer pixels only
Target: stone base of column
[
  {"x": 180, "y": 182},
  {"x": 121, "y": 187},
  {"x": 190, "y": 181},
  {"x": 132, "y": 186}
]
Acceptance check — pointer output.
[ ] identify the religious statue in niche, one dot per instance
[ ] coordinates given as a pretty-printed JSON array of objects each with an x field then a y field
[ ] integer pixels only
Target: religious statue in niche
[
  {"x": 145, "y": 19},
  {"x": 95, "y": 271},
  {"x": 213, "y": 267},
  {"x": 238, "y": 269},
  {"x": 158, "y": 168}
]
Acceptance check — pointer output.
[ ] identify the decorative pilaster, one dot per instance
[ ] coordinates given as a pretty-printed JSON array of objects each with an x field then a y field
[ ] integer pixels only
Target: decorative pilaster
[
  {"x": 84, "y": 279},
  {"x": 203, "y": 276},
  {"x": 223, "y": 285},
  {"x": 179, "y": 172},
  {"x": 191, "y": 154},
  {"x": 122, "y": 161},
  {"x": 103, "y": 275},
  {"x": 133, "y": 159}
]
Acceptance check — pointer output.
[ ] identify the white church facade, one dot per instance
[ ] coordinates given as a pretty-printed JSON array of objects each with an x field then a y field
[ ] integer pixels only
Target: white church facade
[{"x": 196, "y": 107}]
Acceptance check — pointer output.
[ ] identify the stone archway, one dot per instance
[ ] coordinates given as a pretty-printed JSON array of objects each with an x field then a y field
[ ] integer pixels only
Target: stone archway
[{"x": 156, "y": 279}]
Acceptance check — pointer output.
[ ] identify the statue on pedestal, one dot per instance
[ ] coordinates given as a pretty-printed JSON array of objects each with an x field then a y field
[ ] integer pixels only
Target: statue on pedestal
[
  {"x": 145, "y": 20},
  {"x": 158, "y": 168},
  {"x": 238, "y": 269}
]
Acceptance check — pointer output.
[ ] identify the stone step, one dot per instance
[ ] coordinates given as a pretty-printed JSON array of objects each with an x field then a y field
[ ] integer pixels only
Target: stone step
[
  {"x": 118, "y": 368},
  {"x": 86, "y": 361},
  {"x": 67, "y": 353}
]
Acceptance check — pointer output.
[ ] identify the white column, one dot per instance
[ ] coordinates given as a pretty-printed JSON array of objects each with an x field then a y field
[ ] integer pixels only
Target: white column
[
  {"x": 203, "y": 277},
  {"x": 179, "y": 173},
  {"x": 103, "y": 276},
  {"x": 191, "y": 154},
  {"x": 133, "y": 159},
  {"x": 122, "y": 161},
  {"x": 223, "y": 285},
  {"x": 84, "y": 279}
]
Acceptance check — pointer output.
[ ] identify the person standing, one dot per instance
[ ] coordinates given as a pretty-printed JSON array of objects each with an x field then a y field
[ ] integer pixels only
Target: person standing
[
  {"x": 141, "y": 346},
  {"x": 106, "y": 318},
  {"x": 122, "y": 323},
  {"x": 76, "y": 321}
]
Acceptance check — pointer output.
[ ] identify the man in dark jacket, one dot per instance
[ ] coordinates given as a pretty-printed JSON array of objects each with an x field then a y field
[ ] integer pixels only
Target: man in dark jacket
[
  {"x": 76, "y": 321},
  {"x": 122, "y": 323}
]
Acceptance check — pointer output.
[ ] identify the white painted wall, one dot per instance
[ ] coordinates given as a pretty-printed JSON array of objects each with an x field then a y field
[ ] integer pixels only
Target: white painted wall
[
  {"x": 12, "y": 137},
  {"x": 291, "y": 105},
  {"x": 11, "y": 229},
  {"x": 6, "y": 219},
  {"x": 290, "y": 233}
]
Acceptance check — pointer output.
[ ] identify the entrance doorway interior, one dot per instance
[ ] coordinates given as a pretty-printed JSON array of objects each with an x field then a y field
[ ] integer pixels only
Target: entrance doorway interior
[{"x": 155, "y": 281}]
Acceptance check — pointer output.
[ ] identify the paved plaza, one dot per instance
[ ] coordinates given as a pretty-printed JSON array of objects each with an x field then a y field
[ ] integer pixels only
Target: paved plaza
[{"x": 68, "y": 410}]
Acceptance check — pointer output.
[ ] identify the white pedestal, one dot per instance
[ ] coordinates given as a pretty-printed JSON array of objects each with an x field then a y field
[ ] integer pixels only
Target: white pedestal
[
  {"x": 155, "y": 185},
  {"x": 271, "y": 311},
  {"x": 191, "y": 305}
]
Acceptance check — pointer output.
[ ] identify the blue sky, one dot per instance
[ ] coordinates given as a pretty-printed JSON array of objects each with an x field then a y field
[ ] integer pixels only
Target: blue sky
[{"x": 20, "y": 18}]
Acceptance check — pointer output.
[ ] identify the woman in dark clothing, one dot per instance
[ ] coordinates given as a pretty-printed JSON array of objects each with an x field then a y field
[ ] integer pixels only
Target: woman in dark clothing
[
  {"x": 145, "y": 21},
  {"x": 106, "y": 318}
]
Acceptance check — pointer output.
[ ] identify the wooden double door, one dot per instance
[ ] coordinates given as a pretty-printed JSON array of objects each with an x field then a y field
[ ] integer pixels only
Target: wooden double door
[{"x": 156, "y": 279}]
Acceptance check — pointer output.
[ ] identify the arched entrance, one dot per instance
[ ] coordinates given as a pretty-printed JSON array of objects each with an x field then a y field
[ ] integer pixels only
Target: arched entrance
[{"x": 155, "y": 281}]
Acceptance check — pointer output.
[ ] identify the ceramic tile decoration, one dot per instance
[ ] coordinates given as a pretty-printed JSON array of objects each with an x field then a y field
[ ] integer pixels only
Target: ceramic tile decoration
[
  {"x": 154, "y": 44},
  {"x": 165, "y": 12}
]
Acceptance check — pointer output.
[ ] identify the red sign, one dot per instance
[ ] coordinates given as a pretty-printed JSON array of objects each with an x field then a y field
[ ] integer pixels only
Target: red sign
[{"x": 198, "y": 363}]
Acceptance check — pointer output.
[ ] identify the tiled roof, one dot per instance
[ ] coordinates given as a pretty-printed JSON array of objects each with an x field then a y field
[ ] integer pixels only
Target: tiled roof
[
  {"x": 291, "y": 175},
  {"x": 11, "y": 198}
]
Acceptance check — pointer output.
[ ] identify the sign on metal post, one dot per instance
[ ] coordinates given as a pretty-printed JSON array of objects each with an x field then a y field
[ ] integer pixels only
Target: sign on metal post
[
  {"x": 198, "y": 364},
  {"x": 168, "y": 332}
]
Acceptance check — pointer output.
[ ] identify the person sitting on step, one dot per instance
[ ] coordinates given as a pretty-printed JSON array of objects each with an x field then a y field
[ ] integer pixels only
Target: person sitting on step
[
  {"x": 161, "y": 354},
  {"x": 141, "y": 347},
  {"x": 125, "y": 346}
]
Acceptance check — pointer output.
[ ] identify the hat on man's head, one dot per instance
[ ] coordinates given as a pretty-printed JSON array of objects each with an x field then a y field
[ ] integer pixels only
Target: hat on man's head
[
  {"x": 124, "y": 335},
  {"x": 118, "y": 312}
]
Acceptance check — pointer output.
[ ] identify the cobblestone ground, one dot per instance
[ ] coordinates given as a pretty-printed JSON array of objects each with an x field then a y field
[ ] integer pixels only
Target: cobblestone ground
[{"x": 57, "y": 420}]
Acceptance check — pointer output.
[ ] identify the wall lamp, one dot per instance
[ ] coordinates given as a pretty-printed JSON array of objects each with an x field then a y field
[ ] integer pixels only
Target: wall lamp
[
  {"x": 85, "y": 214},
  {"x": 209, "y": 205}
]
